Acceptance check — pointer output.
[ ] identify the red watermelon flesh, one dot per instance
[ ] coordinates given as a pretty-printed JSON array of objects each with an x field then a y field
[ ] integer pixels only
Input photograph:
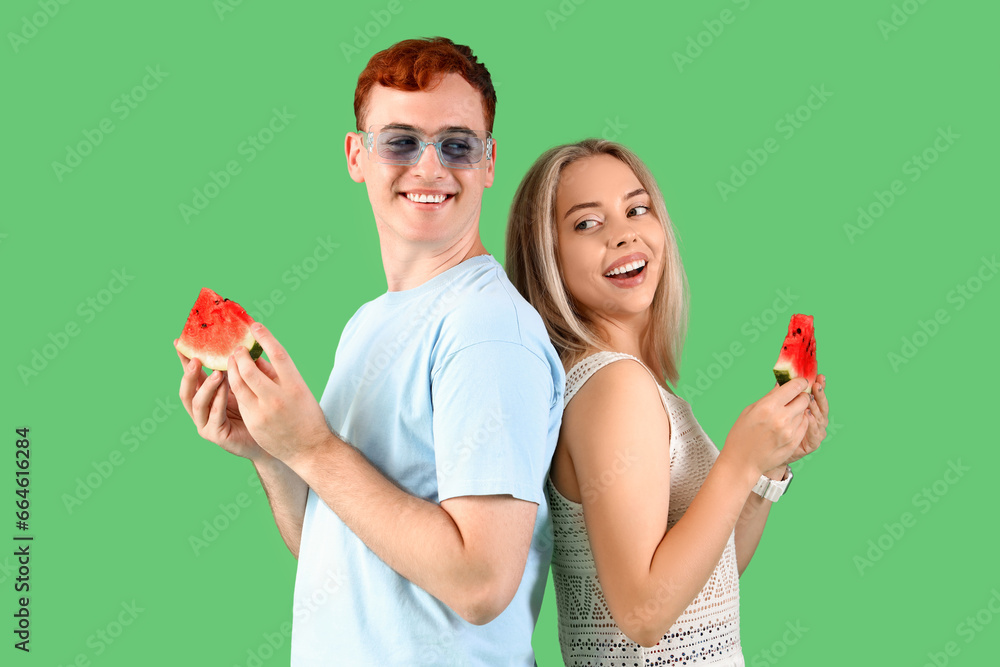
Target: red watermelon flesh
[
  {"x": 798, "y": 353},
  {"x": 215, "y": 329}
]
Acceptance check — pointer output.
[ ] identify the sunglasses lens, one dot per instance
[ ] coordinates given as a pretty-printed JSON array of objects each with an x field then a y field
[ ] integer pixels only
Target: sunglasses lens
[
  {"x": 462, "y": 150},
  {"x": 398, "y": 147}
]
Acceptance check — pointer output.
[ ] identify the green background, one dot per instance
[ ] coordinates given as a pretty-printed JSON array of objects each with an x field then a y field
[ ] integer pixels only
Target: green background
[{"x": 563, "y": 71}]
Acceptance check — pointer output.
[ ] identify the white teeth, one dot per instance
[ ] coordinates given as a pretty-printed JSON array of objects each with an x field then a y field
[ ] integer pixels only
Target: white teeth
[
  {"x": 625, "y": 268},
  {"x": 424, "y": 199}
]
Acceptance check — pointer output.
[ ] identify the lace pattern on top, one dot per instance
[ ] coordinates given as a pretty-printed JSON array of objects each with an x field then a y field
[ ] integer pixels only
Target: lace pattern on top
[{"x": 708, "y": 631}]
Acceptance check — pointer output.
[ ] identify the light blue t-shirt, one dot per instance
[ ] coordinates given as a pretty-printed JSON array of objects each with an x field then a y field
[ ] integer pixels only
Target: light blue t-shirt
[{"x": 450, "y": 389}]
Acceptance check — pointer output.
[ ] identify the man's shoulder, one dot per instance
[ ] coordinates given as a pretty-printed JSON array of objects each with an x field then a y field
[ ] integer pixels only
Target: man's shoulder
[{"x": 487, "y": 307}]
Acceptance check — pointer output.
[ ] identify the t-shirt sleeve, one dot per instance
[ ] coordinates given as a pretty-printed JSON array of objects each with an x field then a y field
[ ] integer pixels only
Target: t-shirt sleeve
[{"x": 492, "y": 403}]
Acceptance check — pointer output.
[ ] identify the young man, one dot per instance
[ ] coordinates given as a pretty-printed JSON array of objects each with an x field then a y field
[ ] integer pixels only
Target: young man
[{"x": 421, "y": 529}]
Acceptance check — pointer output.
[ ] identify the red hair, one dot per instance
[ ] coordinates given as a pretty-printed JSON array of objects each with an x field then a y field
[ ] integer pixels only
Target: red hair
[{"x": 417, "y": 64}]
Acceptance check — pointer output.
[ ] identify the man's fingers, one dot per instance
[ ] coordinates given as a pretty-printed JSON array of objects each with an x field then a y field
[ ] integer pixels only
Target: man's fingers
[
  {"x": 184, "y": 360},
  {"x": 251, "y": 375},
  {"x": 266, "y": 368},
  {"x": 201, "y": 404},
  {"x": 244, "y": 395},
  {"x": 280, "y": 360},
  {"x": 191, "y": 381},
  {"x": 217, "y": 414}
]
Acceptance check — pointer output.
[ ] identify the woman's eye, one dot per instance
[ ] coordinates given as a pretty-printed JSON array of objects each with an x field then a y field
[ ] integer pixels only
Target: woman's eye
[
  {"x": 638, "y": 210},
  {"x": 586, "y": 224}
]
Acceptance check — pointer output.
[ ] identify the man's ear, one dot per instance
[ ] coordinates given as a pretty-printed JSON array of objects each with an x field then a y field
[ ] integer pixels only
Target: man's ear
[
  {"x": 354, "y": 149},
  {"x": 490, "y": 169}
]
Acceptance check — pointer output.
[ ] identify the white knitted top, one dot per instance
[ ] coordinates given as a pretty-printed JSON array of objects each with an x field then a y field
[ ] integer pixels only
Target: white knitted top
[{"x": 708, "y": 632}]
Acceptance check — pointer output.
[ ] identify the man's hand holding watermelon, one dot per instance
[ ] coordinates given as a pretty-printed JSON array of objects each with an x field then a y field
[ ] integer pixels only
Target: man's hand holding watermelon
[
  {"x": 214, "y": 409},
  {"x": 279, "y": 412}
]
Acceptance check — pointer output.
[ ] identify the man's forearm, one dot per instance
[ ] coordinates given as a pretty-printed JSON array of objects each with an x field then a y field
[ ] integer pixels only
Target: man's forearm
[
  {"x": 418, "y": 539},
  {"x": 286, "y": 493}
]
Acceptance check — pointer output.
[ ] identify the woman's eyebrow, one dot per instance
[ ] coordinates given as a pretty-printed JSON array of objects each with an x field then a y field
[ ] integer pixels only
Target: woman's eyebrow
[
  {"x": 594, "y": 204},
  {"x": 577, "y": 207}
]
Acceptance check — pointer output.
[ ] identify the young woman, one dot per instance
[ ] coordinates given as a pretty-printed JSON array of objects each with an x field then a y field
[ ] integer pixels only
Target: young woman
[{"x": 653, "y": 525}]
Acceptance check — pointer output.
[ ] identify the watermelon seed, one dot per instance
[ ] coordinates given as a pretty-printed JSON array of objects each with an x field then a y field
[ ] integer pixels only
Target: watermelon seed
[
  {"x": 797, "y": 331},
  {"x": 204, "y": 326}
]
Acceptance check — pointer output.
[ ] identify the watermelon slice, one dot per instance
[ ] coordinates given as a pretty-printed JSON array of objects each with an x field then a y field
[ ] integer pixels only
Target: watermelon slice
[
  {"x": 798, "y": 353},
  {"x": 215, "y": 329}
]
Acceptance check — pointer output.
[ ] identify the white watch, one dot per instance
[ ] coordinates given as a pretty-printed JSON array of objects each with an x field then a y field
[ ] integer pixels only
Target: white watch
[{"x": 770, "y": 489}]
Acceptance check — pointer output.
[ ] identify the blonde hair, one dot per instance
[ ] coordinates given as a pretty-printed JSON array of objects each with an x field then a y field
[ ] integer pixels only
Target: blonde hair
[{"x": 533, "y": 262}]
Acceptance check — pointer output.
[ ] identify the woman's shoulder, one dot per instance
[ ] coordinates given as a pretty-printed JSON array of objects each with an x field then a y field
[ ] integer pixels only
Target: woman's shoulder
[
  {"x": 607, "y": 370},
  {"x": 608, "y": 386}
]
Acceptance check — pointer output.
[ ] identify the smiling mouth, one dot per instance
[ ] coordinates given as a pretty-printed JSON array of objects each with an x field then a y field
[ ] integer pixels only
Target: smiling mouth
[
  {"x": 626, "y": 271},
  {"x": 427, "y": 199}
]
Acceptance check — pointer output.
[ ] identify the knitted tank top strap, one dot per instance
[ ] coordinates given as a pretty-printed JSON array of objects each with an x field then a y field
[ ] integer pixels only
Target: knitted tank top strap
[{"x": 585, "y": 368}]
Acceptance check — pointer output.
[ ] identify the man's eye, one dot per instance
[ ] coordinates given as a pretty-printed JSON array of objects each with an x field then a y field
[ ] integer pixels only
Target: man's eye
[
  {"x": 401, "y": 143},
  {"x": 638, "y": 210},
  {"x": 456, "y": 146}
]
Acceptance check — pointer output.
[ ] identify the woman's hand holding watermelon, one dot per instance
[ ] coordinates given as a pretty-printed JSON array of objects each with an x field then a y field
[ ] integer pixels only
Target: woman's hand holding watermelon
[
  {"x": 215, "y": 411},
  {"x": 818, "y": 417},
  {"x": 771, "y": 429}
]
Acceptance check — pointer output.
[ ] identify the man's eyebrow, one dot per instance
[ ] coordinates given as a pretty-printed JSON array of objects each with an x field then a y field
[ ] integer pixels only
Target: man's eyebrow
[
  {"x": 594, "y": 204},
  {"x": 452, "y": 128}
]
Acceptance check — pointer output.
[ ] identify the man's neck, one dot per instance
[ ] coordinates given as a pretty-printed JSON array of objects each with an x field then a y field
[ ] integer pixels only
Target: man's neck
[{"x": 410, "y": 267}]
